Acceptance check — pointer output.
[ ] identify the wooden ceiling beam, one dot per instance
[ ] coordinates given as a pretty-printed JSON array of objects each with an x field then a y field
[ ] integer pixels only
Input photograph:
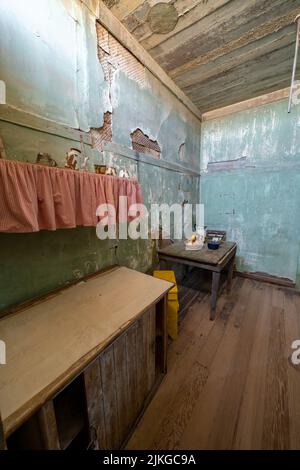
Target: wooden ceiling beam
[
  {"x": 250, "y": 37},
  {"x": 246, "y": 76},
  {"x": 265, "y": 86},
  {"x": 267, "y": 45},
  {"x": 248, "y": 104},
  {"x": 124, "y": 8},
  {"x": 240, "y": 94},
  {"x": 220, "y": 51}
]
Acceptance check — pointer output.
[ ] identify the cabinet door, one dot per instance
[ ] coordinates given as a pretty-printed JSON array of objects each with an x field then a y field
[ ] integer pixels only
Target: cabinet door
[{"x": 119, "y": 382}]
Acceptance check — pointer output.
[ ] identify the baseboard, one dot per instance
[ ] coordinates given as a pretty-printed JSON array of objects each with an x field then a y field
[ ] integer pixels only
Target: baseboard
[{"x": 264, "y": 277}]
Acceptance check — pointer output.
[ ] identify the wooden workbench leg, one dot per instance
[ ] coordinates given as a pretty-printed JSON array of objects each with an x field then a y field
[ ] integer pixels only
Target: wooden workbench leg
[
  {"x": 186, "y": 269},
  {"x": 230, "y": 275},
  {"x": 48, "y": 426},
  {"x": 2, "y": 438},
  {"x": 95, "y": 406},
  {"x": 161, "y": 327},
  {"x": 214, "y": 294}
]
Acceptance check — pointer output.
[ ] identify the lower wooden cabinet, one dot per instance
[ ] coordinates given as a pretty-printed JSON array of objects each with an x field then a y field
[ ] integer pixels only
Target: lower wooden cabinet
[{"x": 101, "y": 406}]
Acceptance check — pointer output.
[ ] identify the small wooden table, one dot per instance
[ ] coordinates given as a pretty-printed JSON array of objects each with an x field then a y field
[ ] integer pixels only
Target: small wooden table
[{"x": 210, "y": 260}]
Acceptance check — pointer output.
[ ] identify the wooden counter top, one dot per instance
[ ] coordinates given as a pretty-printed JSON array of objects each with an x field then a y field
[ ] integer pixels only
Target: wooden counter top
[{"x": 51, "y": 341}]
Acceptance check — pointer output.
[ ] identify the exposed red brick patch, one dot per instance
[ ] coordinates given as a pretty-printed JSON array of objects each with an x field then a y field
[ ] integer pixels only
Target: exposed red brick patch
[
  {"x": 142, "y": 143},
  {"x": 104, "y": 133},
  {"x": 113, "y": 56}
]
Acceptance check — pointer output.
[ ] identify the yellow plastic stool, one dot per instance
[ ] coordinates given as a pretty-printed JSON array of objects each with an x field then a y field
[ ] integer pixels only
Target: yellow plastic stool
[{"x": 173, "y": 304}]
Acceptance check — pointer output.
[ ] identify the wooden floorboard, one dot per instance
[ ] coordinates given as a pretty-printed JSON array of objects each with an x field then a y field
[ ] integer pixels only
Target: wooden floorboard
[{"x": 230, "y": 383}]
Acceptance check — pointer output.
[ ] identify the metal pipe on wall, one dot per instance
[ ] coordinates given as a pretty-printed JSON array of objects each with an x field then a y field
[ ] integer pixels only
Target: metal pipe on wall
[{"x": 297, "y": 20}]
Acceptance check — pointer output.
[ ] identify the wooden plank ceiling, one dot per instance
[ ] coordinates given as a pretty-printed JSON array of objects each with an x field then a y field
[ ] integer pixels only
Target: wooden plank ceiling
[{"x": 219, "y": 52}]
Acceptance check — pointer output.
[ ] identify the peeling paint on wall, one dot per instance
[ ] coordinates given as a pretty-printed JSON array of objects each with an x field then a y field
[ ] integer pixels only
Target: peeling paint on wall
[
  {"x": 143, "y": 144},
  {"x": 113, "y": 56},
  {"x": 257, "y": 204},
  {"x": 227, "y": 164},
  {"x": 181, "y": 152},
  {"x": 104, "y": 134},
  {"x": 139, "y": 101},
  {"x": 109, "y": 92}
]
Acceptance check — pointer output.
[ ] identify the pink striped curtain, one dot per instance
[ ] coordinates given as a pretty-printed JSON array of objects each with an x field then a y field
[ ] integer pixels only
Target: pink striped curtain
[{"x": 36, "y": 197}]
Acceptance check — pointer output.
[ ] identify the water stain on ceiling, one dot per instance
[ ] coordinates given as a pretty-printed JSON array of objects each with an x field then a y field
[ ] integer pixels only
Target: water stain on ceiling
[{"x": 162, "y": 18}]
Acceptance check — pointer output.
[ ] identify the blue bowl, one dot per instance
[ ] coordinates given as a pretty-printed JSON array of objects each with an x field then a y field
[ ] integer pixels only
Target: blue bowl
[{"x": 213, "y": 245}]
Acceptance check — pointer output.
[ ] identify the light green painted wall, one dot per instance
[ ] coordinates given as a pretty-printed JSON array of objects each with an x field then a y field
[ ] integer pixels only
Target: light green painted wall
[
  {"x": 258, "y": 205},
  {"x": 155, "y": 110},
  {"x": 50, "y": 65},
  {"x": 48, "y": 59}
]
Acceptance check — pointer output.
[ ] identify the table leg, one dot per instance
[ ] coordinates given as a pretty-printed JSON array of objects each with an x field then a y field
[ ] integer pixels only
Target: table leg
[
  {"x": 214, "y": 294},
  {"x": 230, "y": 275},
  {"x": 186, "y": 272},
  {"x": 163, "y": 265}
]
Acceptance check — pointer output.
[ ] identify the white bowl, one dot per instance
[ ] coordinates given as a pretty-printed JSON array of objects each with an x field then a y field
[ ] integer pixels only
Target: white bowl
[{"x": 196, "y": 246}]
